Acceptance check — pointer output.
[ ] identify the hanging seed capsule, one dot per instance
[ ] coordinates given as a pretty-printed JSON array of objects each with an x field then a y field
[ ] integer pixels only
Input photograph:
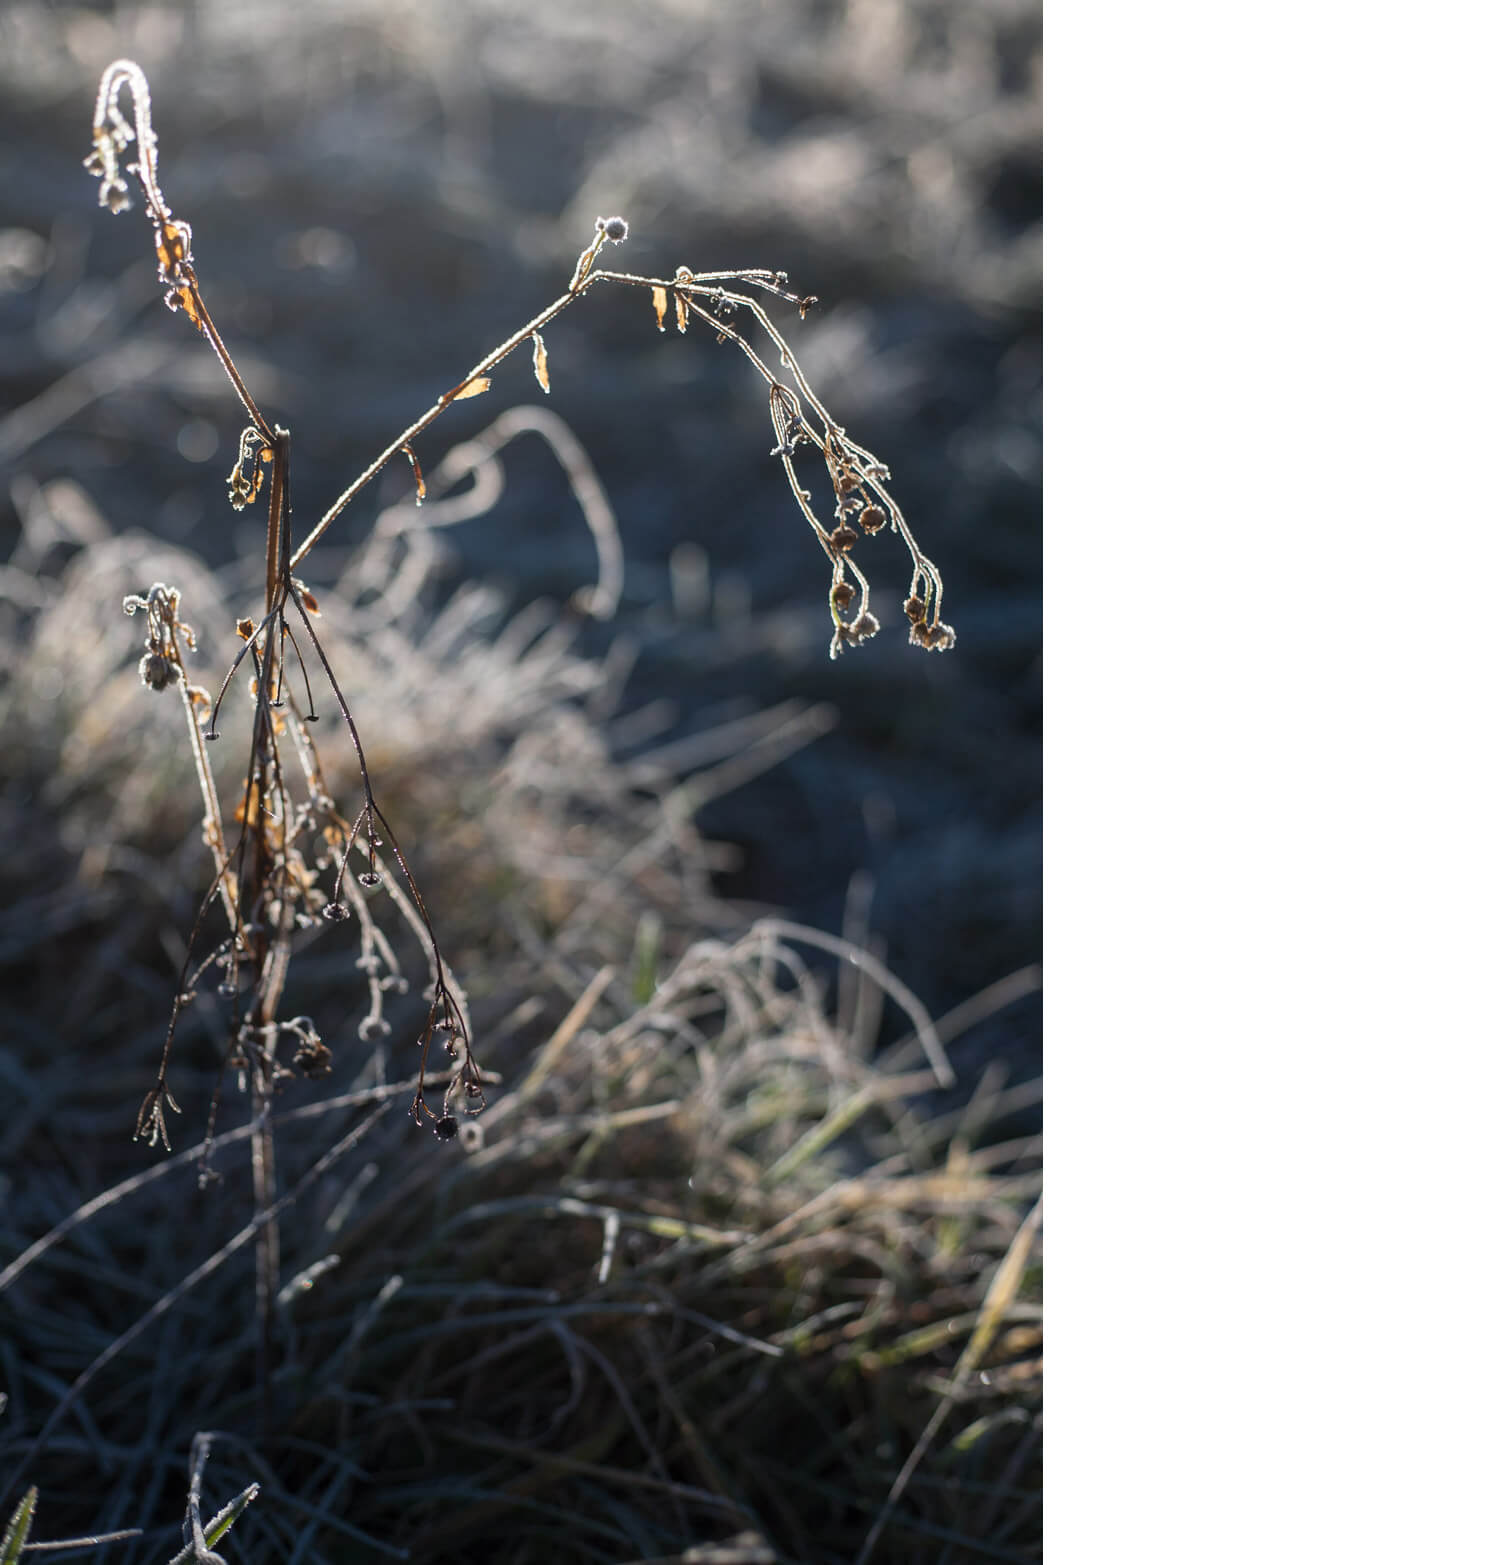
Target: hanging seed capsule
[
  {"x": 843, "y": 538},
  {"x": 334, "y": 912},
  {"x": 157, "y": 672},
  {"x": 446, "y": 1129},
  {"x": 369, "y": 878}
]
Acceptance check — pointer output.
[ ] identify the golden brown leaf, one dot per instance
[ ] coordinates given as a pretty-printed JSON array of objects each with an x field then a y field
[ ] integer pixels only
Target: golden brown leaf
[
  {"x": 658, "y": 298},
  {"x": 472, "y": 388},
  {"x": 539, "y": 361}
]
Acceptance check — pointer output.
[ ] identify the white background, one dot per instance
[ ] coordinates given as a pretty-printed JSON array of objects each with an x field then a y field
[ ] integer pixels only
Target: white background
[{"x": 1266, "y": 693}]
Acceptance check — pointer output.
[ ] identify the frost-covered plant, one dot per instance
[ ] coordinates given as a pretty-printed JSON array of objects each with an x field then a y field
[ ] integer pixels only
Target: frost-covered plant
[{"x": 297, "y": 856}]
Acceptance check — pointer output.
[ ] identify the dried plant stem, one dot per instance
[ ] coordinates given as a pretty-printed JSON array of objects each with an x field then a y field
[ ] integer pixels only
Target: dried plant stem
[
  {"x": 421, "y": 423},
  {"x": 267, "y": 881}
]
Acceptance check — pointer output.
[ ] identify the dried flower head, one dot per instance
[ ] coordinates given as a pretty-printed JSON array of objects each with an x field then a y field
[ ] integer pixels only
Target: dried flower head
[
  {"x": 863, "y": 628},
  {"x": 843, "y": 538},
  {"x": 314, "y": 1058},
  {"x": 157, "y": 671}
]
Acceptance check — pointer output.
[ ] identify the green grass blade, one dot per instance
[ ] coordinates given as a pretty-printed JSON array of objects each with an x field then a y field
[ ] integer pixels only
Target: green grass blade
[
  {"x": 18, "y": 1528},
  {"x": 217, "y": 1528}
]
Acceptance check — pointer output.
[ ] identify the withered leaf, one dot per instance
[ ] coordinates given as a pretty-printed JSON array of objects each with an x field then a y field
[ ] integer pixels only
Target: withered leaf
[
  {"x": 473, "y": 388},
  {"x": 658, "y": 298},
  {"x": 170, "y": 245},
  {"x": 681, "y": 313},
  {"x": 306, "y": 597},
  {"x": 539, "y": 361}
]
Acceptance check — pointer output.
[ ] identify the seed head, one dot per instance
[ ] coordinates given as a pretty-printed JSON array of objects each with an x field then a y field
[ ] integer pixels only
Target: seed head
[
  {"x": 872, "y": 519},
  {"x": 314, "y": 1058},
  {"x": 915, "y": 608},
  {"x": 842, "y": 594},
  {"x": 158, "y": 672},
  {"x": 933, "y": 638},
  {"x": 369, "y": 878},
  {"x": 614, "y": 228},
  {"x": 334, "y": 912},
  {"x": 446, "y": 1128},
  {"x": 843, "y": 539}
]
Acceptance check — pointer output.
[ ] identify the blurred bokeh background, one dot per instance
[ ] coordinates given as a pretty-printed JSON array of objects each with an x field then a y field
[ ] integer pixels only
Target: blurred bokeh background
[{"x": 381, "y": 191}]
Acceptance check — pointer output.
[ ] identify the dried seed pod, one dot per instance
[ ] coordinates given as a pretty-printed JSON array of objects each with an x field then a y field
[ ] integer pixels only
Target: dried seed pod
[
  {"x": 369, "y": 878},
  {"x": 615, "y": 229},
  {"x": 843, "y": 539},
  {"x": 916, "y": 609},
  {"x": 842, "y": 594},
  {"x": 872, "y": 519},
  {"x": 446, "y": 1128},
  {"x": 314, "y": 1058},
  {"x": 157, "y": 672},
  {"x": 335, "y": 912}
]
